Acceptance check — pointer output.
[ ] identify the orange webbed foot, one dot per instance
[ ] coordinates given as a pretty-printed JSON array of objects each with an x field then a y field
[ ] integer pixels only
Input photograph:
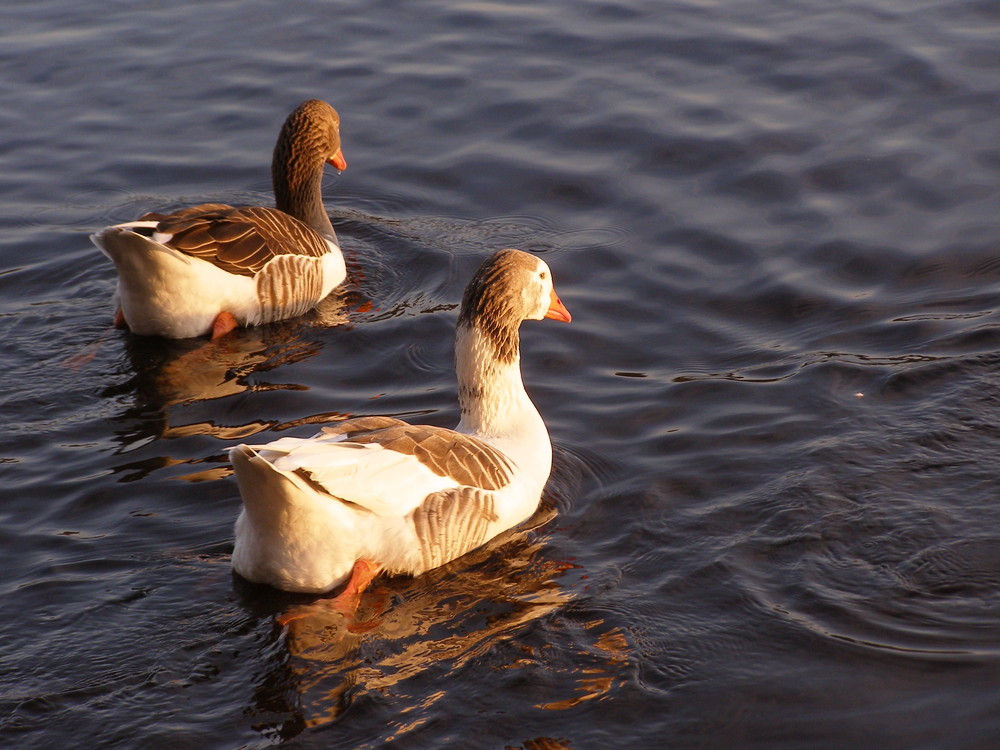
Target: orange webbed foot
[
  {"x": 224, "y": 323},
  {"x": 347, "y": 601}
]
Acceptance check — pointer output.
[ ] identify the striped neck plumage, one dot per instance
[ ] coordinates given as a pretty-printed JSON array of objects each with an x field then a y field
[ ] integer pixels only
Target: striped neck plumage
[{"x": 491, "y": 394}]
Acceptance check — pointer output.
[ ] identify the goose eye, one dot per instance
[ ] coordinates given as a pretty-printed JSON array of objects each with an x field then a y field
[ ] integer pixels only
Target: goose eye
[{"x": 541, "y": 275}]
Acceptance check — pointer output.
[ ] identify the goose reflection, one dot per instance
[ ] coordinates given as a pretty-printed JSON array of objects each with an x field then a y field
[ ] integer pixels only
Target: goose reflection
[
  {"x": 180, "y": 372},
  {"x": 172, "y": 381},
  {"x": 409, "y": 630}
]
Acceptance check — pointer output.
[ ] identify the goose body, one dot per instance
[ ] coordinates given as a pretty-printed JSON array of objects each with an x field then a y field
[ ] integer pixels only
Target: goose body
[
  {"x": 377, "y": 494},
  {"x": 209, "y": 268}
]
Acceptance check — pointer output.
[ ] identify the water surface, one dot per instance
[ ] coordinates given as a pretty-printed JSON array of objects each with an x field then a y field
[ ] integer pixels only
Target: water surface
[{"x": 773, "y": 517}]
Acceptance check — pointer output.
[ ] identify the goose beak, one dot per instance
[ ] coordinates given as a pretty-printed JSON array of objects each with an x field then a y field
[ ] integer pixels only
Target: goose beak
[
  {"x": 338, "y": 160},
  {"x": 557, "y": 310}
]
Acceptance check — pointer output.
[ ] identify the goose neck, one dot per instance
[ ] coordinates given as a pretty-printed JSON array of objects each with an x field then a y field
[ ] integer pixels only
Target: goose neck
[
  {"x": 298, "y": 182},
  {"x": 491, "y": 394}
]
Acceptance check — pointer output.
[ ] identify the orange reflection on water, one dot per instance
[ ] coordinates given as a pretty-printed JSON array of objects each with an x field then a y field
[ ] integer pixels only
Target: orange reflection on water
[
  {"x": 171, "y": 378},
  {"x": 445, "y": 618},
  {"x": 607, "y": 657}
]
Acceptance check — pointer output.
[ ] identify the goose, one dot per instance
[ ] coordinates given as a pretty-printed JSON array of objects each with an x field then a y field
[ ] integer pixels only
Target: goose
[
  {"x": 375, "y": 494},
  {"x": 210, "y": 268}
]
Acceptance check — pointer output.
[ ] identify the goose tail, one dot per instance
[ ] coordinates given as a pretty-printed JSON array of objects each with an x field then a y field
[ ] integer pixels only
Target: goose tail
[{"x": 267, "y": 491}]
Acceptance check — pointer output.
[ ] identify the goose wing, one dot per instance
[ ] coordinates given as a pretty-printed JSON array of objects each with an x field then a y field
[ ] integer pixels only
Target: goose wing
[
  {"x": 390, "y": 467},
  {"x": 238, "y": 240}
]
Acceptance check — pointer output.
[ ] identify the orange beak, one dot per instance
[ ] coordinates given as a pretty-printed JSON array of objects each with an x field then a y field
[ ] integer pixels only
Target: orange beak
[
  {"x": 338, "y": 160},
  {"x": 557, "y": 310}
]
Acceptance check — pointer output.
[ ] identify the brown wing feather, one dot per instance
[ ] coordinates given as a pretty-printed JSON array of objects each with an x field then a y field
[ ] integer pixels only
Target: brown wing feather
[
  {"x": 351, "y": 427},
  {"x": 238, "y": 240},
  {"x": 195, "y": 211},
  {"x": 452, "y": 522},
  {"x": 466, "y": 459},
  {"x": 225, "y": 232}
]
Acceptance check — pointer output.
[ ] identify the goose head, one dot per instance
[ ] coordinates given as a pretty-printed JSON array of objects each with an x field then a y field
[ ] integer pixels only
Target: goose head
[
  {"x": 509, "y": 287},
  {"x": 309, "y": 139}
]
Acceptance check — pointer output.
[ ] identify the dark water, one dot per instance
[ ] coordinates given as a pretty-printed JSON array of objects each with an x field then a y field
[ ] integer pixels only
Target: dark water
[{"x": 774, "y": 519}]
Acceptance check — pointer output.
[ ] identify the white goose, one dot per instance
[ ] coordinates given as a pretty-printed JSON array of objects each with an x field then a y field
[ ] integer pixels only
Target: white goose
[
  {"x": 209, "y": 268},
  {"x": 376, "y": 494}
]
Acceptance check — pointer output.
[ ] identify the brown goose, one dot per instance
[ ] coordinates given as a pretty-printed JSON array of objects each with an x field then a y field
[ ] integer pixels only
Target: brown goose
[
  {"x": 377, "y": 494},
  {"x": 210, "y": 268}
]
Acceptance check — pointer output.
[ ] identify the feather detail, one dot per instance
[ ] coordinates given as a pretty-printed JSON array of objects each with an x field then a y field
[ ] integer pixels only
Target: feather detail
[
  {"x": 463, "y": 458},
  {"x": 452, "y": 522},
  {"x": 240, "y": 240}
]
